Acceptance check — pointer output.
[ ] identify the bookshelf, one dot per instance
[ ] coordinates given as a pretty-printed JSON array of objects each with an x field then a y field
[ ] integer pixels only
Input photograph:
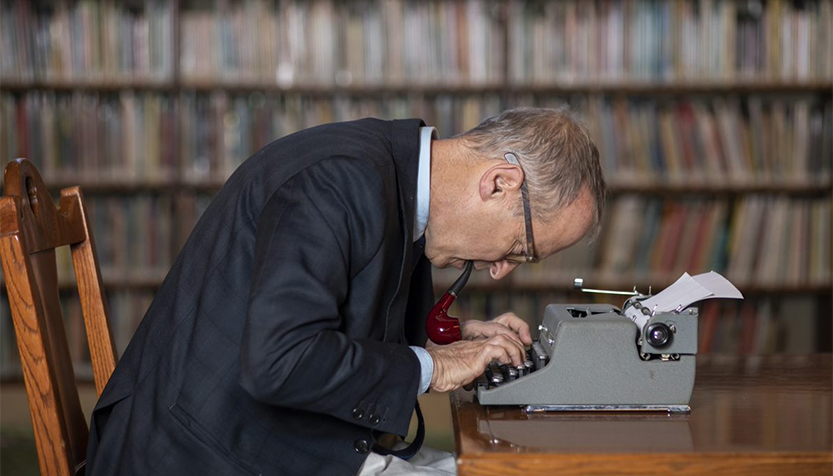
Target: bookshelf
[
  {"x": 711, "y": 115},
  {"x": 624, "y": 88}
]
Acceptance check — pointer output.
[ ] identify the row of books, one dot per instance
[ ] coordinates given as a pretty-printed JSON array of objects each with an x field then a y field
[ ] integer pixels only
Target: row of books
[
  {"x": 134, "y": 232},
  {"x": 753, "y": 326},
  {"x": 150, "y": 137},
  {"x": 126, "y": 310},
  {"x": 779, "y": 240},
  {"x": 198, "y": 138},
  {"x": 714, "y": 141},
  {"x": 668, "y": 41},
  {"x": 321, "y": 42},
  {"x": 760, "y": 326},
  {"x": 126, "y": 136},
  {"x": 641, "y": 141},
  {"x": 137, "y": 236},
  {"x": 325, "y": 42},
  {"x": 758, "y": 240},
  {"x": 400, "y": 42},
  {"x": 87, "y": 40}
]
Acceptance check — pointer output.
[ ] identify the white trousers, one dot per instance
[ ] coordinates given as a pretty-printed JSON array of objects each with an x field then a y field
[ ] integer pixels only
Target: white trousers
[{"x": 427, "y": 462}]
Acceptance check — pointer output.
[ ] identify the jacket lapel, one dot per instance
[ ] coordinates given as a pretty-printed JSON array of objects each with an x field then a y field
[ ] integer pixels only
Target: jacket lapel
[{"x": 405, "y": 144}]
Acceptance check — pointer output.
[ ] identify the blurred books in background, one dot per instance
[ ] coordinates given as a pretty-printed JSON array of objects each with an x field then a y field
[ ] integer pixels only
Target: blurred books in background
[
  {"x": 713, "y": 120},
  {"x": 460, "y": 42}
]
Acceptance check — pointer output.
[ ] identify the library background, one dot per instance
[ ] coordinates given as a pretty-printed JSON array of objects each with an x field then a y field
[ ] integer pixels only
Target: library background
[{"x": 714, "y": 119}]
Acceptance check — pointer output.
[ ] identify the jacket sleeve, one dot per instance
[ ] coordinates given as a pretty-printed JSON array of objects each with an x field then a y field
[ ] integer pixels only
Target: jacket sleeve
[{"x": 320, "y": 228}]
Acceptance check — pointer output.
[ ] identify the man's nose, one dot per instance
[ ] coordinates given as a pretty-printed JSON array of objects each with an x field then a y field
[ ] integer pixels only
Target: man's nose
[{"x": 481, "y": 265}]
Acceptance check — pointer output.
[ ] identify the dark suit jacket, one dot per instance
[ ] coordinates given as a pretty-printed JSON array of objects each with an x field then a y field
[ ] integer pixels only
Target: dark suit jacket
[{"x": 275, "y": 344}]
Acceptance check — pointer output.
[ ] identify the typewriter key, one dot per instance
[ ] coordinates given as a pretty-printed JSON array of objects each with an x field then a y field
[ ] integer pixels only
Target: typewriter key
[{"x": 497, "y": 375}]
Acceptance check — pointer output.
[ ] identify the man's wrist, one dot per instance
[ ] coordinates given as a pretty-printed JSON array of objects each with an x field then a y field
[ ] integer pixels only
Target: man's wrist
[{"x": 426, "y": 366}]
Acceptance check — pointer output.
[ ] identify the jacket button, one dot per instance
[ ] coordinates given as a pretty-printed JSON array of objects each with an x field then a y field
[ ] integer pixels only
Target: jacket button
[
  {"x": 374, "y": 419},
  {"x": 361, "y": 446},
  {"x": 358, "y": 413}
]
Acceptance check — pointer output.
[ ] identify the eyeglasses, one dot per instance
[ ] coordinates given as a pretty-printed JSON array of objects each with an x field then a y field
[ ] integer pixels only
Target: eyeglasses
[{"x": 529, "y": 249}]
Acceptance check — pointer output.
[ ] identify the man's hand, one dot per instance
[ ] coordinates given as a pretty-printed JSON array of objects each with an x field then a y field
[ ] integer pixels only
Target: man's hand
[
  {"x": 507, "y": 324},
  {"x": 460, "y": 363}
]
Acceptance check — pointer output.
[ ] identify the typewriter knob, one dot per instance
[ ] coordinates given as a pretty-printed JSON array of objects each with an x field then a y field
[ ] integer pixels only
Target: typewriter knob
[{"x": 658, "y": 335}]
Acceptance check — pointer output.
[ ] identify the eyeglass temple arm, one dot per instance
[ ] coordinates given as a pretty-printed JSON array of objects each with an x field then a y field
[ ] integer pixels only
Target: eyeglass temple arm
[{"x": 510, "y": 157}]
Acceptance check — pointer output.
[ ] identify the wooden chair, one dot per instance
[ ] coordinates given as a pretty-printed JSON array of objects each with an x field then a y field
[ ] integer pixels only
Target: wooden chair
[{"x": 30, "y": 230}]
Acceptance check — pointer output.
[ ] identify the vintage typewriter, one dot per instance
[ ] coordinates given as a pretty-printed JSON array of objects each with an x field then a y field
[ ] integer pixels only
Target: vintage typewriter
[
  {"x": 591, "y": 357},
  {"x": 597, "y": 357}
]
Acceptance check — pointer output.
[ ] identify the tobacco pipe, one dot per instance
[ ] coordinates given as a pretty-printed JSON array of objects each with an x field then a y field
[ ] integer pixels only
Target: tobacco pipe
[{"x": 442, "y": 328}]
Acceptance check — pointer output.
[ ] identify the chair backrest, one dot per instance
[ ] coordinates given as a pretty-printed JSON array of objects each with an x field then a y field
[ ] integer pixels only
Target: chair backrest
[{"x": 30, "y": 230}]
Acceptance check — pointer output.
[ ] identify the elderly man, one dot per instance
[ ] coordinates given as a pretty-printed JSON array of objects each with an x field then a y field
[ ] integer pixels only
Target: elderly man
[{"x": 289, "y": 334}]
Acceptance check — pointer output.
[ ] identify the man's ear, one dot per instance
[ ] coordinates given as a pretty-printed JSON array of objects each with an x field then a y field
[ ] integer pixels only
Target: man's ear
[
  {"x": 499, "y": 269},
  {"x": 499, "y": 179}
]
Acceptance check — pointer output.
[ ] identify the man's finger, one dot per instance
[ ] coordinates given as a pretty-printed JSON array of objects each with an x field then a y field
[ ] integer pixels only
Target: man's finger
[
  {"x": 516, "y": 341},
  {"x": 514, "y": 351},
  {"x": 523, "y": 333},
  {"x": 521, "y": 350},
  {"x": 496, "y": 351},
  {"x": 508, "y": 332},
  {"x": 521, "y": 328}
]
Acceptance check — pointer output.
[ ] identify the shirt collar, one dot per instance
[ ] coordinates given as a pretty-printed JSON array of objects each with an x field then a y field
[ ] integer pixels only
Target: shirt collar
[{"x": 423, "y": 195}]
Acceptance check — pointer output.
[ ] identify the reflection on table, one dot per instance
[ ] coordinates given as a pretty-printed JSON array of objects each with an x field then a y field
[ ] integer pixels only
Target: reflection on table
[{"x": 753, "y": 414}]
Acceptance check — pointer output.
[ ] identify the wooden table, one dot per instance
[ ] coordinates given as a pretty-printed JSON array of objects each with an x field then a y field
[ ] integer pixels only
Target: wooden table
[{"x": 749, "y": 415}]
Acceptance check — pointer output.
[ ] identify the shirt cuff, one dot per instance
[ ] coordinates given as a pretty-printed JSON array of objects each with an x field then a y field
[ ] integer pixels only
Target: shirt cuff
[{"x": 426, "y": 366}]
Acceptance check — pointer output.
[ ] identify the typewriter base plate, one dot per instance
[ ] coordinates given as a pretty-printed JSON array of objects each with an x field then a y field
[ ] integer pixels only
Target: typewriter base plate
[{"x": 607, "y": 408}]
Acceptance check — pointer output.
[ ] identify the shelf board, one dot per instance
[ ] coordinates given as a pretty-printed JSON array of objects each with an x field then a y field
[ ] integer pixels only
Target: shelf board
[
  {"x": 114, "y": 280},
  {"x": 12, "y": 373},
  {"x": 147, "y": 283},
  {"x": 565, "y": 286},
  {"x": 88, "y": 85},
  {"x": 665, "y": 188},
  {"x": 739, "y": 86},
  {"x": 611, "y": 87},
  {"x": 118, "y": 186},
  {"x": 152, "y": 280},
  {"x": 244, "y": 86},
  {"x": 128, "y": 186},
  {"x": 335, "y": 90}
]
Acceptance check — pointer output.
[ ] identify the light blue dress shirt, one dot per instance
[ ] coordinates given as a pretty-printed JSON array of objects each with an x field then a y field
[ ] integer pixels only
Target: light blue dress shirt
[{"x": 423, "y": 200}]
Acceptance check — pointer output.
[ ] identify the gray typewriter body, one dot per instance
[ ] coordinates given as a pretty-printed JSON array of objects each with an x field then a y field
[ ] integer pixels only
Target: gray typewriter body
[{"x": 594, "y": 358}]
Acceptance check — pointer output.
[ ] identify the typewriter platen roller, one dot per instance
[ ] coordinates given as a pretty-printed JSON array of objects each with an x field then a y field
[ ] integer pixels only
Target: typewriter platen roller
[{"x": 592, "y": 358}]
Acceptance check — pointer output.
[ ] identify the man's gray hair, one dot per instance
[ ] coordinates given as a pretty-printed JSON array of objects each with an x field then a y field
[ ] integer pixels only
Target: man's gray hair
[{"x": 555, "y": 151}]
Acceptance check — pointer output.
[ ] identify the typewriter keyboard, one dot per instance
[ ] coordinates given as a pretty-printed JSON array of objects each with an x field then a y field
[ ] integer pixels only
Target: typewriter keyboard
[{"x": 497, "y": 374}]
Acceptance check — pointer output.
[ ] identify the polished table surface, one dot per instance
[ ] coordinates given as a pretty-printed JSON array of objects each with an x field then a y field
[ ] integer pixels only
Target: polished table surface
[{"x": 749, "y": 415}]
